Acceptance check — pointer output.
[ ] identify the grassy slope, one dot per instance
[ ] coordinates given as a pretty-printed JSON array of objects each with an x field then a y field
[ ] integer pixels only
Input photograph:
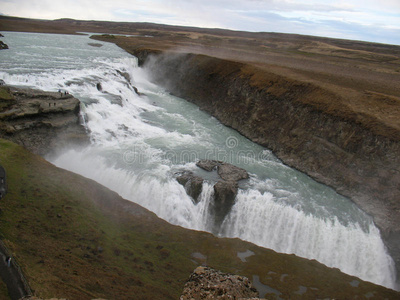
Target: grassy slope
[
  {"x": 74, "y": 238},
  {"x": 3, "y": 291}
]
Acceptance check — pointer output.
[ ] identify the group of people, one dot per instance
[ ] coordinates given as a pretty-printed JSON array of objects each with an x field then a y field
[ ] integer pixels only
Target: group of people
[{"x": 63, "y": 93}]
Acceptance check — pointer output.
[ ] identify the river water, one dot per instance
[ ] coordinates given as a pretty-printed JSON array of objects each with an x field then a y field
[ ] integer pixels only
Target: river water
[{"x": 139, "y": 143}]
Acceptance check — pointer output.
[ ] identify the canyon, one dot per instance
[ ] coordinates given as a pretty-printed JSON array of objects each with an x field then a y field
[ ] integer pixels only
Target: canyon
[
  {"x": 343, "y": 134},
  {"x": 329, "y": 108}
]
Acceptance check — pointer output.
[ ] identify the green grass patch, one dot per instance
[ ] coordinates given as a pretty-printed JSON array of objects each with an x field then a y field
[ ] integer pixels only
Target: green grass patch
[{"x": 78, "y": 240}]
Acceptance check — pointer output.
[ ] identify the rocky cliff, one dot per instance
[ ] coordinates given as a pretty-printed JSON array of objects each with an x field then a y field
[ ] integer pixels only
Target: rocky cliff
[
  {"x": 350, "y": 149},
  {"x": 40, "y": 121}
]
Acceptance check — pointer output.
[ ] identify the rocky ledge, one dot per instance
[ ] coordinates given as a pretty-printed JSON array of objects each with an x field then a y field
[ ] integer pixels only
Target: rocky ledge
[
  {"x": 40, "y": 121},
  {"x": 225, "y": 190},
  {"x": 207, "y": 283}
]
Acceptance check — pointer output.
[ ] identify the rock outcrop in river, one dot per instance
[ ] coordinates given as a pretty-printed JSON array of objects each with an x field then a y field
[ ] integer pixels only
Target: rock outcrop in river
[
  {"x": 3, "y": 46},
  {"x": 225, "y": 190},
  {"x": 349, "y": 150},
  {"x": 40, "y": 121}
]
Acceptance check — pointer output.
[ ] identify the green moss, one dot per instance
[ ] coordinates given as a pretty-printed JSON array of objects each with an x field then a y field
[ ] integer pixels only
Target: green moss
[{"x": 76, "y": 239}]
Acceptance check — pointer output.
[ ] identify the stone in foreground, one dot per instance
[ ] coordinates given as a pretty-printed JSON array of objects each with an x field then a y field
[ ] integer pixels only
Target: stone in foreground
[{"x": 207, "y": 283}]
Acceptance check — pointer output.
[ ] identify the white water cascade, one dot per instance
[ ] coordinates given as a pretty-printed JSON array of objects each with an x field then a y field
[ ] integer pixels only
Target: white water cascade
[{"x": 139, "y": 143}]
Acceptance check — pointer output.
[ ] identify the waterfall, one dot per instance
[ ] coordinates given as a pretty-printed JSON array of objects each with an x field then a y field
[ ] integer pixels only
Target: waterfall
[
  {"x": 257, "y": 218},
  {"x": 138, "y": 143}
]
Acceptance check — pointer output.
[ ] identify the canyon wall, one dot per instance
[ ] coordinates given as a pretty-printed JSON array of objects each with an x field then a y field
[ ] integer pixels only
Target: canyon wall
[{"x": 351, "y": 151}]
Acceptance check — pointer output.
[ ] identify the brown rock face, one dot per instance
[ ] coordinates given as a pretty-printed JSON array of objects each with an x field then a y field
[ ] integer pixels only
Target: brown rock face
[
  {"x": 225, "y": 190},
  {"x": 224, "y": 198},
  {"x": 207, "y": 283},
  {"x": 230, "y": 172},
  {"x": 208, "y": 165},
  {"x": 193, "y": 184},
  {"x": 40, "y": 121}
]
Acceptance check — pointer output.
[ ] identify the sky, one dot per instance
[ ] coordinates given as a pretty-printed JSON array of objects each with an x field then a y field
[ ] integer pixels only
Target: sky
[{"x": 367, "y": 20}]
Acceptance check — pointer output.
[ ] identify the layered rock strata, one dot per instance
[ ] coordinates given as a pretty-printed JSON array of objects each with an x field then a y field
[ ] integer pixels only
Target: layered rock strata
[
  {"x": 348, "y": 149},
  {"x": 40, "y": 121}
]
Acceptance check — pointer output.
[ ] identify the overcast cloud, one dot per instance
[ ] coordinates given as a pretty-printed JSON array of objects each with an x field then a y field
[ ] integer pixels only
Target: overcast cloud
[{"x": 369, "y": 20}]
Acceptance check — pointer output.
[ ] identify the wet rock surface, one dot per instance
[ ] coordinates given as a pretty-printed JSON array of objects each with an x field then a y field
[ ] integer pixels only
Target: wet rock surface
[
  {"x": 230, "y": 172},
  {"x": 226, "y": 171},
  {"x": 40, "y": 121},
  {"x": 225, "y": 190},
  {"x": 193, "y": 184},
  {"x": 224, "y": 198},
  {"x": 208, "y": 165},
  {"x": 3, "y": 46},
  {"x": 207, "y": 283}
]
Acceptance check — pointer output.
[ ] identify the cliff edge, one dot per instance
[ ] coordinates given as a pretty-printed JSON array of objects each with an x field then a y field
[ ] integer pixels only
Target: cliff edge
[{"x": 40, "y": 121}]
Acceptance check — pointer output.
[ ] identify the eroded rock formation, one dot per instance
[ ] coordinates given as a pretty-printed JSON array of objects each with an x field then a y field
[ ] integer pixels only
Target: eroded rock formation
[
  {"x": 225, "y": 190},
  {"x": 193, "y": 184}
]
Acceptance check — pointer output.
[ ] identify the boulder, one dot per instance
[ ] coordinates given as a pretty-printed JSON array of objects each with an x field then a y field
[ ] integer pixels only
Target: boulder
[
  {"x": 207, "y": 283},
  {"x": 230, "y": 172},
  {"x": 226, "y": 171},
  {"x": 99, "y": 87},
  {"x": 3, "y": 45},
  {"x": 193, "y": 184},
  {"x": 208, "y": 165},
  {"x": 225, "y": 190}
]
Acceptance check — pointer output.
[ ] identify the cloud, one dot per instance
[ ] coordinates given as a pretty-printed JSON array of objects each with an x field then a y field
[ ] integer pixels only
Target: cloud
[{"x": 377, "y": 20}]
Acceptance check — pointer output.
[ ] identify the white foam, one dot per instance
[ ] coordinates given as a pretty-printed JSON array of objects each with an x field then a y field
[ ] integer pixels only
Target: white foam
[{"x": 256, "y": 217}]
